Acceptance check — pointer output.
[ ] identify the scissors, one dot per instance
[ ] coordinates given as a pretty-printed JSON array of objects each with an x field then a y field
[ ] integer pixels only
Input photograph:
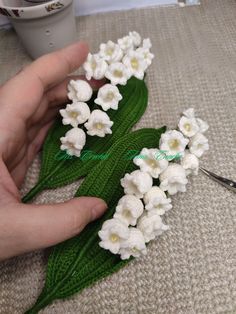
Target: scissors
[{"x": 229, "y": 184}]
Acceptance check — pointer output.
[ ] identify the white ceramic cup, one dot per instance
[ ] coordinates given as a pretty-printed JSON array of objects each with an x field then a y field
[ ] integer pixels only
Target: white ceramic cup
[{"x": 43, "y": 27}]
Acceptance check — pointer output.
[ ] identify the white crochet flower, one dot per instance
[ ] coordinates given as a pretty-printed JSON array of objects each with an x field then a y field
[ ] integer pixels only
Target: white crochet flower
[
  {"x": 148, "y": 162},
  {"x": 108, "y": 97},
  {"x": 136, "y": 38},
  {"x": 134, "y": 246},
  {"x": 188, "y": 126},
  {"x": 75, "y": 113},
  {"x": 126, "y": 43},
  {"x": 129, "y": 209},
  {"x": 110, "y": 52},
  {"x": 95, "y": 67},
  {"x": 189, "y": 113},
  {"x": 73, "y": 142},
  {"x": 79, "y": 90},
  {"x": 147, "y": 56},
  {"x": 99, "y": 124},
  {"x": 135, "y": 63},
  {"x": 173, "y": 179},
  {"x": 118, "y": 73},
  {"x": 190, "y": 163},
  {"x": 203, "y": 126},
  {"x": 112, "y": 234},
  {"x": 198, "y": 145},
  {"x": 147, "y": 43},
  {"x": 156, "y": 201},
  {"x": 151, "y": 226},
  {"x": 152, "y": 193},
  {"x": 173, "y": 143},
  {"x": 136, "y": 183}
]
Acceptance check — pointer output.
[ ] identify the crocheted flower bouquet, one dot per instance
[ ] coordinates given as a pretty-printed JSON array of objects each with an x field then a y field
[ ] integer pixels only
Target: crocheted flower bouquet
[{"x": 137, "y": 176}]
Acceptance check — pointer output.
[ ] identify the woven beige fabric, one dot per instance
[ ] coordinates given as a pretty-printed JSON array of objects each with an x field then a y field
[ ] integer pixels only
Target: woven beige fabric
[{"x": 191, "y": 269}]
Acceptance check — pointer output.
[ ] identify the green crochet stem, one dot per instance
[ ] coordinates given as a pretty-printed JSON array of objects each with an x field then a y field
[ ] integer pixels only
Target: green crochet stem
[
  {"x": 80, "y": 262},
  {"x": 40, "y": 186}
]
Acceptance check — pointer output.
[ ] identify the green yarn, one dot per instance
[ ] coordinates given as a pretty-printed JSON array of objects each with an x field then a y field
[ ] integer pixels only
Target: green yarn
[
  {"x": 55, "y": 173},
  {"x": 79, "y": 262}
]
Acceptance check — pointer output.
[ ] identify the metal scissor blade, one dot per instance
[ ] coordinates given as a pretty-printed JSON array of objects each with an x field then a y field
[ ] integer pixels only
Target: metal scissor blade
[{"x": 229, "y": 184}]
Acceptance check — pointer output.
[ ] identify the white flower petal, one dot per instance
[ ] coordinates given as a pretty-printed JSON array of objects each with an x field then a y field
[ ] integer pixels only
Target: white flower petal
[
  {"x": 173, "y": 143},
  {"x": 108, "y": 97},
  {"x": 188, "y": 126},
  {"x": 155, "y": 191},
  {"x": 126, "y": 43},
  {"x": 110, "y": 52},
  {"x": 136, "y": 183},
  {"x": 118, "y": 73},
  {"x": 149, "y": 161},
  {"x": 95, "y": 67},
  {"x": 136, "y": 38},
  {"x": 129, "y": 209},
  {"x": 158, "y": 206},
  {"x": 151, "y": 226},
  {"x": 134, "y": 246},
  {"x": 75, "y": 113},
  {"x": 147, "y": 43},
  {"x": 198, "y": 145},
  {"x": 135, "y": 63},
  {"x": 156, "y": 201},
  {"x": 112, "y": 234},
  {"x": 79, "y": 90},
  {"x": 189, "y": 113},
  {"x": 173, "y": 179},
  {"x": 147, "y": 56},
  {"x": 73, "y": 142},
  {"x": 203, "y": 126},
  {"x": 190, "y": 163},
  {"x": 99, "y": 124}
]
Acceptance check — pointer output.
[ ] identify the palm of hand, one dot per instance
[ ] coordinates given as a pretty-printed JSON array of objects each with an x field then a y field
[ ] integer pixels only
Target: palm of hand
[{"x": 28, "y": 105}]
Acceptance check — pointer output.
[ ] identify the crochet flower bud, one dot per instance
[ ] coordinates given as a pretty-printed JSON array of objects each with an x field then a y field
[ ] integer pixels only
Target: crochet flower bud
[
  {"x": 73, "y": 142},
  {"x": 112, "y": 234},
  {"x": 136, "y": 183},
  {"x": 99, "y": 124},
  {"x": 149, "y": 161},
  {"x": 79, "y": 90},
  {"x": 76, "y": 113},
  {"x": 173, "y": 179},
  {"x": 108, "y": 97},
  {"x": 151, "y": 226},
  {"x": 134, "y": 246},
  {"x": 95, "y": 67},
  {"x": 129, "y": 209},
  {"x": 156, "y": 201},
  {"x": 190, "y": 163}
]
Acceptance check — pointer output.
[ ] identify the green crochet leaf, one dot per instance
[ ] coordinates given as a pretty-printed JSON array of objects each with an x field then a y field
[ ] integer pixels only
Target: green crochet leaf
[
  {"x": 55, "y": 173},
  {"x": 80, "y": 261}
]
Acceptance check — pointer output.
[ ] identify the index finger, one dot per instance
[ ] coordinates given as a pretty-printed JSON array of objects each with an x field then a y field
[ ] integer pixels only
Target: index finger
[
  {"x": 22, "y": 94},
  {"x": 54, "y": 67}
]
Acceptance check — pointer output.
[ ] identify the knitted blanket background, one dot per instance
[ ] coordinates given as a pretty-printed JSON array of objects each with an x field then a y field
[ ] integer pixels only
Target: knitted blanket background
[{"x": 191, "y": 269}]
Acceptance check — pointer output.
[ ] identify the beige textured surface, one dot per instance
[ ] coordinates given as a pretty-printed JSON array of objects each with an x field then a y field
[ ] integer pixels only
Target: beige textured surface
[{"x": 192, "y": 268}]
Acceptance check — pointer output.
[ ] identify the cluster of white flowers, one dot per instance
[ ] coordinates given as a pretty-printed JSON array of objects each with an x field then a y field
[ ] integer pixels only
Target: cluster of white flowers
[
  {"x": 78, "y": 113},
  {"x": 117, "y": 62},
  {"x": 137, "y": 218}
]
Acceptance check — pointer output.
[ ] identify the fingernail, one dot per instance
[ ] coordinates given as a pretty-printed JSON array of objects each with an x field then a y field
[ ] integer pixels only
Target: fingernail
[{"x": 98, "y": 209}]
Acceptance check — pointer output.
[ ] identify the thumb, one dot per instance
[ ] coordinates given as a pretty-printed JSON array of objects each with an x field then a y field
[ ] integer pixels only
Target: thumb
[{"x": 40, "y": 226}]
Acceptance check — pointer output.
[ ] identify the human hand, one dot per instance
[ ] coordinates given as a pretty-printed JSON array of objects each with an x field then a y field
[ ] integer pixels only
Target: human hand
[{"x": 29, "y": 102}]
